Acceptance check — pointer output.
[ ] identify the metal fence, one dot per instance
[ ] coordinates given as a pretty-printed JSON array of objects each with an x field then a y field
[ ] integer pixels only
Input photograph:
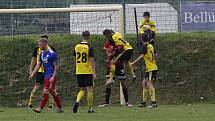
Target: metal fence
[{"x": 166, "y": 13}]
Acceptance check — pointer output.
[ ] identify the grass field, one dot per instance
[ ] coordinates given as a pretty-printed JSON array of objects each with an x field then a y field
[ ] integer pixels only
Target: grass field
[{"x": 194, "y": 112}]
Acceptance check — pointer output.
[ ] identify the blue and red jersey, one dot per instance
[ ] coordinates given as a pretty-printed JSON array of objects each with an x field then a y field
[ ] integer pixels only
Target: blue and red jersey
[{"x": 48, "y": 58}]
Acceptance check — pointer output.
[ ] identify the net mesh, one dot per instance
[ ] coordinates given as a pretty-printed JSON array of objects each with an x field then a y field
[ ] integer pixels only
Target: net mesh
[{"x": 19, "y": 38}]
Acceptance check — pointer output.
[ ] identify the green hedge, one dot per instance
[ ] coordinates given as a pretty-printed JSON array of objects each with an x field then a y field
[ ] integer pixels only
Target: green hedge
[{"x": 186, "y": 68}]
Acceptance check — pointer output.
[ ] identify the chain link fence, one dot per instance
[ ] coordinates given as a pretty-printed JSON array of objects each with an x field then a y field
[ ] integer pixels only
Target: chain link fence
[{"x": 166, "y": 14}]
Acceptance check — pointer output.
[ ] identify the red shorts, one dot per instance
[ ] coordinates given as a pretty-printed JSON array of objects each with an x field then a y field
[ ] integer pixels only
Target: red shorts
[{"x": 48, "y": 85}]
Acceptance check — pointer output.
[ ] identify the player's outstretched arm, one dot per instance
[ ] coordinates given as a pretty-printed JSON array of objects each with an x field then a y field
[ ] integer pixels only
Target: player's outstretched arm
[{"x": 135, "y": 61}]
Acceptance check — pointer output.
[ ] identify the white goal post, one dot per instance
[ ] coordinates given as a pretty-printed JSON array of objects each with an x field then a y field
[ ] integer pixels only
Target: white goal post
[{"x": 119, "y": 9}]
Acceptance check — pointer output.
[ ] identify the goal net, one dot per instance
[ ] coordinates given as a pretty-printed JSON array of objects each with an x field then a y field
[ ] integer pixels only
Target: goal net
[{"x": 20, "y": 30}]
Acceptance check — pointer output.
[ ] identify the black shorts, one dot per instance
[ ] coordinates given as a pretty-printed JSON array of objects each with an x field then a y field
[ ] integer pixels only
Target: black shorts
[
  {"x": 151, "y": 75},
  {"x": 119, "y": 74},
  {"x": 126, "y": 56},
  {"x": 39, "y": 78},
  {"x": 85, "y": 80}
]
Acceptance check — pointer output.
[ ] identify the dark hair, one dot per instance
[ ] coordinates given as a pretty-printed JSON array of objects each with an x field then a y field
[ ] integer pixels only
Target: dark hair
[
  {"x": 107, "y": 31},
  {"x": 85, "y": 34},
  {"x": 44, "y": 40},
  {"x": 45, "y": 36},
  {"x": 146, "y": 14}
]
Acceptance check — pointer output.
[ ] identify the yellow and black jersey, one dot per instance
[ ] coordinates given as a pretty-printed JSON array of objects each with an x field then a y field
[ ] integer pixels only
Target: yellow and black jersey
[
  {"x": 119, "y": 40},
  {"x": 144, "y": 24},
  {"x": 36, "y": 54},
  {"x": 149, "y": 58},
  {"x": 82, "y": 53}
]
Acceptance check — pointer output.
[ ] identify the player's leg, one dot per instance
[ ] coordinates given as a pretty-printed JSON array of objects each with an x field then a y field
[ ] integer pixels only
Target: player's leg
[
  {"x": 108, "y": 86},
  {"x": 107, "y": 94},
  {"x": 125, "y": 92},
  {"x": 82, "y": 91},
  {"x": 51, "y": 98},
  {"x": 53, "y": 91},
  {"x": 80, "y": 95},
  {"x": 90, "y": 91},
  {"x": 57, "y": 99},
  {"x": 90, "y": 99},
  {"x": 110, "y": 74},
  {"x": 48, "y": 87},
  {"x": 33, "y": 93},
  {"x": 51, "y": 102},
  {"x": 125, "y": 57},
  {"x": 118, "y": 58},
  {"x": 39, "y": 79},
  {"x": 43, "y": 101},
  {"x": 112, "y": 71},
  {"x": 152, "y": 78},
  {"x": 121, "y": 75},
  {"x": 145, "y": 94}
]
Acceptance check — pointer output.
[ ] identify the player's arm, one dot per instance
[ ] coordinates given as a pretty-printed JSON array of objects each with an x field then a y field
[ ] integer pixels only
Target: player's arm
[
  {"x": 109, "y": 53},
  {"x": 35, "y": 70},
  {"x": 153, "y": 27},
  {"x": 120, "y": 51},
  {"x": 92, "y": 62},
  {"x": 32, "y": 65},
  {"x": 55, "y": 66},
  {"x": 136, "y": 60},
  {"x": 33, "y": 60},
  {"x": 141, "y": 29},
  {"x": 74, "y": 55},
  {"x": 143, "y": 52}
]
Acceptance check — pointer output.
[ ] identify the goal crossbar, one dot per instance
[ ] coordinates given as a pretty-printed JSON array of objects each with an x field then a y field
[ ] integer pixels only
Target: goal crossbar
[{"x": 61, "y": 10}]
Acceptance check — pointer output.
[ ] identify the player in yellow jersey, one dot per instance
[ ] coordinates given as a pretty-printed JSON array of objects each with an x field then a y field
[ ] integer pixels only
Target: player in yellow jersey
[
  {"x": 151, "y": 68},
  {"x": 125, "y": 51},
  {"x": 39, "y": 77},
  {"x": 147, "y": 27},
  {"x": 85, "y": 71}
]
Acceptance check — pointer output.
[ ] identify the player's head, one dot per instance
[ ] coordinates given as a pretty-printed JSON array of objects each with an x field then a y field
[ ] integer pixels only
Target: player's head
[
  {"x": 85, "y": 35},
  {"x": 146, "y": 15},
  {"x": 42, "y": 43},
  {"x": 108, "y": 32},
  {"x": 44, "y": 36}
]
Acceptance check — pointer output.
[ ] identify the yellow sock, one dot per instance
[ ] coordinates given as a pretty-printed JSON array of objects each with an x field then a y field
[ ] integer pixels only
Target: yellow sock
[
  {"x": 152, "y": 94},
  {"x": 31, "y": 98},
  {"x": 130, "y": 69},
  {"x": 80, "y": 96},
  {"x": 51, "y": 101},
  {"x": 90, "y": 98},
  {"x": 145, "y": 94},
  {"x": 112, "y": 71}
]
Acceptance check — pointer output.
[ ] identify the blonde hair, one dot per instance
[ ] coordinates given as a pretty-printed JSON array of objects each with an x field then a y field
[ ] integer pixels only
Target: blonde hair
[{"x": 43, "y": 40}]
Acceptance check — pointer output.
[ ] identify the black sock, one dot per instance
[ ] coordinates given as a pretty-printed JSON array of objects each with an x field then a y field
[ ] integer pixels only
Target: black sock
[
  {"x": 107, "y": 95},
  {"x": 125, "y": 92}
]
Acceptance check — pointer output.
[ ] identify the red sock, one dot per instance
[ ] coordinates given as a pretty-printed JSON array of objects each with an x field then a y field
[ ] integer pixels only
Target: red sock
[
  {"x": 44, "y": 100},
  {"x": 57, "y": 101}
]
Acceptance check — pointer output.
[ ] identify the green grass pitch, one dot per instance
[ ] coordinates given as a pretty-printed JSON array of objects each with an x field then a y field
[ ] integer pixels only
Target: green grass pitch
[{"x": 194, "y": 112}]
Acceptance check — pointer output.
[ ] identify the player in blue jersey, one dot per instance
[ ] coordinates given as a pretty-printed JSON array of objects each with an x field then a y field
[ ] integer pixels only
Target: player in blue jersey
[{"x": 48, "y": 59}]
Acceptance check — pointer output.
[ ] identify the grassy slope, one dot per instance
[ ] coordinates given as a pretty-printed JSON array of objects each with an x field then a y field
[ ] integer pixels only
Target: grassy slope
[
  {"x": 202, "y": 112},
  {"x": 186, "y": 68}
]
